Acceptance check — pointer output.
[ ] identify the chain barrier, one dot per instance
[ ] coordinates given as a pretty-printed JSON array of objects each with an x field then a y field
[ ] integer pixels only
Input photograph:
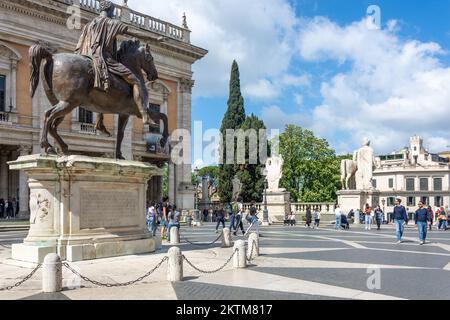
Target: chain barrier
[
  {"x": 203, "y": 244},
  {"x": 28, "y": 277},
  {"x": 210, "y": 271},
  {"x": 5, "y": 246},
  {"x": 110, "y": 285}
]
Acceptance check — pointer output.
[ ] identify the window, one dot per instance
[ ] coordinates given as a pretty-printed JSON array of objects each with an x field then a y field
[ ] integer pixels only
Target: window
[
  {"x": 410, "y": 185},
  {"x": 391, "y": 201},
  {"x": 85, "y": 116},
  {"x": 423, "y": 184},
  {"x": 425, "y": 200},
  {"x": 437, "y": 184},
  {"x": 391, "y": 183},
  {"x": 411, "y": 201},
  {"x": 2, "y": 93},
  {"x": 374, "y": 183},
  {"x": 438, "y": 201},
  {"x": 155, "y": 108}
]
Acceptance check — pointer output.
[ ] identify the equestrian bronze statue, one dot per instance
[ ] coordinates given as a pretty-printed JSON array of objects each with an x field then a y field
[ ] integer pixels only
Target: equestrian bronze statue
[{"x": 98, "y": 77}]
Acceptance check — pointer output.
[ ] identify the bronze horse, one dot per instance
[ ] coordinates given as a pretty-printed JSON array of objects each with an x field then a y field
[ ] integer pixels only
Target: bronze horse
[{"x": 68, "y": 83}]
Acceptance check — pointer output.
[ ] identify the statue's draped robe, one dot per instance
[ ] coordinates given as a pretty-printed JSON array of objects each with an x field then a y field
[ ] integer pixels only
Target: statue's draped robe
[
  {"x": 364, "y": 158},
  {"x": 98, "y": 41}
]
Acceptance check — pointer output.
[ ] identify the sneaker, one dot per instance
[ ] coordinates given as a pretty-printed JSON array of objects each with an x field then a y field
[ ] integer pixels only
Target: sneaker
[
  {"x": 399, "y": 242},
  {"x": 217, "y": 231},
  {"x": 421, "y": 243},
  {"x": 243, "y": 233},
  {"x": 234, "y": 233}
]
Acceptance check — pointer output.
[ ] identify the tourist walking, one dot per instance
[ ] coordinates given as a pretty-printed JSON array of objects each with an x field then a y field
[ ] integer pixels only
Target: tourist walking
[
  {"x": 431, "y": 215},
  {"x": 152, "y": 218},
  {"x": 9, "y": 209},
  {"x": 368, "y": 217},
  {"x": 220, "y": 217},
  {"x": 233, "y": 213},
  {"x": 338, "y": 213},
  {"x": 253, "y": 218},
  {"x": 421, "y": 217},
  {"x": 164, "y": 222},
  {"x": 316, "y": 219},
  {"x": 240, "y": 213},
  {"x": 379, "y": 216},
  {"x": 174, "y": 220},
  {"x": 400, "y": 217},
  {"x": 443, "y": 220},
  {"x": 308, "y": 217}
]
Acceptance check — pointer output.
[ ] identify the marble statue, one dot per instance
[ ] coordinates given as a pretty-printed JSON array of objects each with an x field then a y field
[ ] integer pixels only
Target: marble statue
[
  {"x": 237, "y": 187},
  {"x": 365, "y": 162},
  {"x": 274, "y": 166}
]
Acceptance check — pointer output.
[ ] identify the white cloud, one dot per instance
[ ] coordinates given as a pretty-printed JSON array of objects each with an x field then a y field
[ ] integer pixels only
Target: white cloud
[
  {"x": 391, "y": 90},
  {"x": 259, "y": 34}
]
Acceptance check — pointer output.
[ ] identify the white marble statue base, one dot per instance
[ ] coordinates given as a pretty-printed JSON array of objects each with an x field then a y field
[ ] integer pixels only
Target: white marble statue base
[
  {"x": 278, "y": 204},
  {"x": 85, "y": 208},
  {"x": 357, "y": 199}
]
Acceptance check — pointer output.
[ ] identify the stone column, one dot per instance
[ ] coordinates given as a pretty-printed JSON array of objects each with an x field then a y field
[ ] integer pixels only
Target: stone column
[
  {"x": 24, "y": 195},
  {"x": 4, "y": 174},
  {"x": 13, "y": 84}
]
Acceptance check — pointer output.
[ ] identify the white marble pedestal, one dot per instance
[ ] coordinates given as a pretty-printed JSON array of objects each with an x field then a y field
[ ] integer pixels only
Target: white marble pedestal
[
  {"x": 357, "y": 199},
  {"x": 85, "y": 208},
  {"x": 278, "y": 204}
]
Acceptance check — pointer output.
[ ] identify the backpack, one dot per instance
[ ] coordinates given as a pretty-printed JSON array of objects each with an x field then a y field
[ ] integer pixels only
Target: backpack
[{"x": 235, "y": 207}]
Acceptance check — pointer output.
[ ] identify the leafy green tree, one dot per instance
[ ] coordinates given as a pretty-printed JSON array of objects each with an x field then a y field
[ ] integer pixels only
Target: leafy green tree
[
  {"x": 233, "y": 119},
  {"x": 311, "y": 168},
  {"x": 250, "y": 174}
]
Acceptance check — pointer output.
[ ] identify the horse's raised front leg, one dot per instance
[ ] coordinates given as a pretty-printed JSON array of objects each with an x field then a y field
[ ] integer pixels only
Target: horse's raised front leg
[{"x": 123, "y": 121}]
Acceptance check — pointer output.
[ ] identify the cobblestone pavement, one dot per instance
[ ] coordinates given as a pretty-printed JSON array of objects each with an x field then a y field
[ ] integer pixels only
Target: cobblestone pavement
[{"x": 295, "y": 263}]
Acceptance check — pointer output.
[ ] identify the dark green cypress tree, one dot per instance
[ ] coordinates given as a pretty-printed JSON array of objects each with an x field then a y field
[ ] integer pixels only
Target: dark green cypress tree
[{"x": 233, "y": 119}]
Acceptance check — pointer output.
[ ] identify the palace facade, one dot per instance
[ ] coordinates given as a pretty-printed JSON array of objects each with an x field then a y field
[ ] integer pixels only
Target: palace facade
[
  {"x": 414, "y": 174},
  {"x": 24, "y": 23}
]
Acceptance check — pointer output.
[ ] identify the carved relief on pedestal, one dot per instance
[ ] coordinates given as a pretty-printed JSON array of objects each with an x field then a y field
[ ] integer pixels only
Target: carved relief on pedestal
[{"x": 40, "y": 208}]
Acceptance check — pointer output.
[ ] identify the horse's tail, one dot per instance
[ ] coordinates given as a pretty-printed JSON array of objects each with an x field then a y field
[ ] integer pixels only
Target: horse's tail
[{"x": 38, "y": 53}]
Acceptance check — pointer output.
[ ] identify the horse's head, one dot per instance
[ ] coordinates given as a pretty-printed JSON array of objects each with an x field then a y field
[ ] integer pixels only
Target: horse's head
[{"x": 148, "y": 63}]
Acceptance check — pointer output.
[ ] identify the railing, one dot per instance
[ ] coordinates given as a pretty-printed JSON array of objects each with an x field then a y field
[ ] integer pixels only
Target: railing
[
  {"x": 4, "y": 117},
  {"x": 300, "y": 208},
  {"x": 88, "y": 128},
  {"x": 137, "y": 19}
]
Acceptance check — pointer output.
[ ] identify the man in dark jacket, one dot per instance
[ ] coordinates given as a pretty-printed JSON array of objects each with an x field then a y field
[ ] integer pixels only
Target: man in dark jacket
[
  {"x": 400, "y": 219},
  {"x": 421, "y": 217}
]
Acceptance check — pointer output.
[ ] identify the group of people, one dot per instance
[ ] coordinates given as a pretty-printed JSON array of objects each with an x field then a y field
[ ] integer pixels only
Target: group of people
[
  {"x": 163, "y": 215},
  {"x": 237, "y": 214},
  {"x": 9, "y": 209}
]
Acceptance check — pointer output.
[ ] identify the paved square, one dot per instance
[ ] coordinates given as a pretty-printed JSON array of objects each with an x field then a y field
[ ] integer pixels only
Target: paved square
[{"x": 295, "y": 263}]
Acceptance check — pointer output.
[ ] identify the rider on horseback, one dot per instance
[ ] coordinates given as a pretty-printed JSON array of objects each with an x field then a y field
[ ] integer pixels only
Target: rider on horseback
[{"x": 99, "y": 42}]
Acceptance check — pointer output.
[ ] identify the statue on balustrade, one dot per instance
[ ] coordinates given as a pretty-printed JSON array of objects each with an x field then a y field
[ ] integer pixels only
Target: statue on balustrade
[{"x": 99, "y": 77}]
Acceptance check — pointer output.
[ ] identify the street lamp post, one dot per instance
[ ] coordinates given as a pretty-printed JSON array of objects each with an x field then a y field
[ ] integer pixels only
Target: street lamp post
[
  {"x": 383, "y": 201},
  {"x": 196, "y": 211}
]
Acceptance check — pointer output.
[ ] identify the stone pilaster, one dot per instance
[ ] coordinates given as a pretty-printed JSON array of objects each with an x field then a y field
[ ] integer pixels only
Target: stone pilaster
[
  {"x": 4, "y": 174},
  {"x": 24, "y": 194}
]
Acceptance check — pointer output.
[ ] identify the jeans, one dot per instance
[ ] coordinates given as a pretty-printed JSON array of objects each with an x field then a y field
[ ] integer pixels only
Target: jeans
[
  {"x": 219, "y": 221},
  {"x": 379, "y": 221},
  {"x": 423, "y": 226},
  {"x": 316, "y": 222},
  {"x": 172, "y": 224},
  {"x": 239, "y": 223},
  {"x": 442, "y": 225},
  {"x": 232, "y": 225},
  {"x": 338, "y": 222},
  {"x": 368, "y": 222},
  {"x": 399, "y": 228}
]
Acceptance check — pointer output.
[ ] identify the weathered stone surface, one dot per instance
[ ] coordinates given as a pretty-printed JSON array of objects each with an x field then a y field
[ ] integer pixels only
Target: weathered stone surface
[{"x": 52, "y": 274}]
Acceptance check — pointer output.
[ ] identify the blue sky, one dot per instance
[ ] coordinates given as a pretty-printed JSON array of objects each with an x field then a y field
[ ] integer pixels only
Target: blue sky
[{"x": 315, "y": 63}]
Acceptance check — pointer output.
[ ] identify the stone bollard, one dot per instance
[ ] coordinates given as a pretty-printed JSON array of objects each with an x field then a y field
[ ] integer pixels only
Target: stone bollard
[
  {"x": 227, "y": 242},
  {"x": 158, "y": 241},
  {"x": 175, "y": 265},
  {"x": 253, "y": 245},
  {"x": 174, "y": 235},
  {"x": 239, "y": 259},
  {"x": 52, "y": 274}
]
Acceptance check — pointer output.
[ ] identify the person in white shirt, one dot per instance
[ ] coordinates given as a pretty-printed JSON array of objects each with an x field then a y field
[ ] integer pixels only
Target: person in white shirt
[
  {"x": 338, "y": 214},
  {"x": 316, "y": 219}
]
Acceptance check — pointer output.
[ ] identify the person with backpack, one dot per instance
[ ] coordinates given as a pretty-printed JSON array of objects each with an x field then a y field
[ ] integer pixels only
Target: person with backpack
[
  {"x": 234, "y": 210},
  {"x": 379, "y": 216},
  {"x": 220, "y": 217},
  {"x": 253, "y": 218},
  {"x": 239, "y": 214}
]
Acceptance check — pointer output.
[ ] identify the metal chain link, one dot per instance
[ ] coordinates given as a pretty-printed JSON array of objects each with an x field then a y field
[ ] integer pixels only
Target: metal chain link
[
  {"x": 210, "y": 271},
  {"x": 203, "y": 244},
  {"x": 110, "y": 285},
  {"x": 28, "y": 277}
]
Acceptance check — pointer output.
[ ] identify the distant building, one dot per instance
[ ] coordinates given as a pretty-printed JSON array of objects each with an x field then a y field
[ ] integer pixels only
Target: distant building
[{"x": 413, "y": 174}]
